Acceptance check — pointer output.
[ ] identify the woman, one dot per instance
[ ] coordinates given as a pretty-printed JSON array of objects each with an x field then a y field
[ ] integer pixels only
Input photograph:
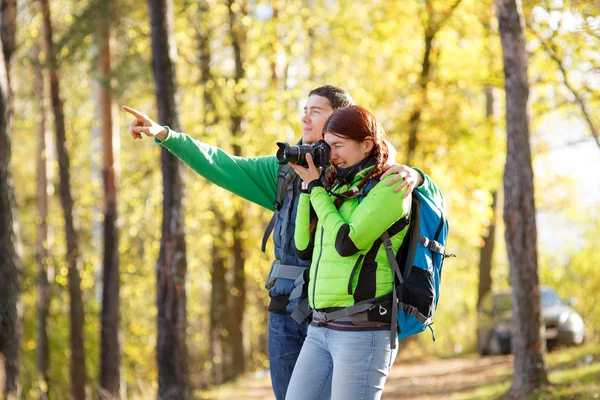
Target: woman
[{"x": 338, "y": 225}]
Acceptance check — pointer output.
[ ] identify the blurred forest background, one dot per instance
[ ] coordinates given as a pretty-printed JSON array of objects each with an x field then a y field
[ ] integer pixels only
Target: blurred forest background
[{"x": 430, "y": 71}]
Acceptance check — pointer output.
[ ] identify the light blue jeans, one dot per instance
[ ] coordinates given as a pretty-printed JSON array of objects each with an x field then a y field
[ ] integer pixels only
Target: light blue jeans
[{"x": 342, "y": 365}]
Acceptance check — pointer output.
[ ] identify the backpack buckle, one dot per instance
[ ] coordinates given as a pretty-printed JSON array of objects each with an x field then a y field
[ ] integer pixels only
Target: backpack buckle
[
  {"x": 432, "y": 245},
  {"x": 437, "y": 247}
]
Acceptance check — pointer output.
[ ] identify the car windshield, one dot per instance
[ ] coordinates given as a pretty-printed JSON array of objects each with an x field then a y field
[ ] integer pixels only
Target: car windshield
[
  {"x": 503, "y": 301},
  {"x": 550, "y": 299}
]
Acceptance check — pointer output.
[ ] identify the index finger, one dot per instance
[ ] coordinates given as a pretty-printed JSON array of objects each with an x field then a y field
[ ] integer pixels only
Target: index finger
[
  {"x": 385, "y": 174},
  {"x": 135, "y": 113},
  {"x": 309, "y": 161}
]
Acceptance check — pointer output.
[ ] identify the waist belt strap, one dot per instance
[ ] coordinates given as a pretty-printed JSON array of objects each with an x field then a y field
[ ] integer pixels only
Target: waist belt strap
[
  {"x": 355, "y": 313},
  {"x": 301, "y": 312}
]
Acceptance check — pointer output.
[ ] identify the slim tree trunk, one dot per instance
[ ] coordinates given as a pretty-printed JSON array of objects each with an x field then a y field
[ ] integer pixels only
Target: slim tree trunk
[
  {"x": 205, "y": 30},
  {"x": 43, "y": 355},
  {"x": 528, "y": 342},
  {"x": 238, "y": 286},
  {"x": 10, "y": 263},
  {"x": 8, "y": 31},
  {"x": 415, "y": 117},
  {"x": 486, "y": 254},
  {"x": 433, "y": 24},
  {"x": 219, "y": 308},
  {"x": 110, "y": 358},
  {"x": 219, "y": 350},
  {"x": 172, "y": 263},
  {"x": 78, "y": 368},
  {"x": 238, "y": 297}
]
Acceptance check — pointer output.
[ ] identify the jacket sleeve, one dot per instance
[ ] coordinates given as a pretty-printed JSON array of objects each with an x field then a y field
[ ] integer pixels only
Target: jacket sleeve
[
  {"x": 430, "y": 190},
  {"x": 254, "y": 179},
  {"x": 374, "y": 215},
  {"x": 302, "y": 240}
]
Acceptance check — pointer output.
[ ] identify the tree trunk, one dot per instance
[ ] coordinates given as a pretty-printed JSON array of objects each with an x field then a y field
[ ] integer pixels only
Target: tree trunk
[
  {"x": 238, "y": 285},
  {"x": 78, "y": 369},
  {"x": 433, "y": 24},
  {"x": 8, "y": 31},
  {"x": 173, "y": 382},
  {"x": 415, "y": 117},
  {"x": 219, "y": 308},
  {"x": 219, "y": 351},
  {"x": 43, "y": 355},
  {"x": 110, "y": 354},
  {"x": 10, "y": 263},
  {"x": 528, "y": 344},
  {"x": 486, "y": 254},
  {"x": 238, "y": 294},
  {"x": 205, "y": 57}
]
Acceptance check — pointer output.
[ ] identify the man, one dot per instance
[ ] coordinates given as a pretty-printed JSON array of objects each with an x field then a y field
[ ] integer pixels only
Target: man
[{"x": 256, "y": 179}]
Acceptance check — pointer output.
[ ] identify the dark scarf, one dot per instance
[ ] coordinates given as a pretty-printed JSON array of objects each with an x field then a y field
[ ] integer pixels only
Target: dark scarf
[{"x": 347, "y": 175}]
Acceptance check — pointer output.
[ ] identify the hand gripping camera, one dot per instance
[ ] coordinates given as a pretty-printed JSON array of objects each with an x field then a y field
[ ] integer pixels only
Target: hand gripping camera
[{"x": 297, "y": 154}]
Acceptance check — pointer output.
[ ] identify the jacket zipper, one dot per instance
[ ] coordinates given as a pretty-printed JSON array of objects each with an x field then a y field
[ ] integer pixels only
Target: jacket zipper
[
  {"x": 317, "y": 267},
  {"x": 360, "y": 258}
]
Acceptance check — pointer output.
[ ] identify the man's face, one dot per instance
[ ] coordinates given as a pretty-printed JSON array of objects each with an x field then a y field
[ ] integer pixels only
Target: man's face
[{"x": 316, "y": 112}]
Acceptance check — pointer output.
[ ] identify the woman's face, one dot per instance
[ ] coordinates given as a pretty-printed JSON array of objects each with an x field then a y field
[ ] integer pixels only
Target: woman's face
[{"x": 345, "y": 151}]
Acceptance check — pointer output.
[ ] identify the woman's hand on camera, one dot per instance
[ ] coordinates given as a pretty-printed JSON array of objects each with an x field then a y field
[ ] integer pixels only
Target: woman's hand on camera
[
  {"x": 143, "y": 124},
  {"x": 411, "y": 178},
  {"x": 307, "y": 174}
]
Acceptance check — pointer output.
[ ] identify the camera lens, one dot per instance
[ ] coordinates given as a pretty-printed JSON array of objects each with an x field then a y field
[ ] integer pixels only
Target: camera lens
[{"x": 293, "y": 154}]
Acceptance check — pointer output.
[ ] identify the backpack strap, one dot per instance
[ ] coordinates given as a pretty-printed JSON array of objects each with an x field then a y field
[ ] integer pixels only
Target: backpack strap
[
  {"x": 285, "y": 182},
  {"x": 285, "y": 271},
  {"x": 416, "y": 235},
  {"x": 389, "y": 250}
]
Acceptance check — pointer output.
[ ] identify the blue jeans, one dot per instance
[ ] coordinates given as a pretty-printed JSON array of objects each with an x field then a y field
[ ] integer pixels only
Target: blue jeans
[
  {"x": 286, "y": 337},
  {"x": 342, "y": 365}
]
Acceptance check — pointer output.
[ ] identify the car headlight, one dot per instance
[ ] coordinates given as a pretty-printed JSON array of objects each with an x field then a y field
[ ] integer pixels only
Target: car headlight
[{"x": 570, "y": 322}]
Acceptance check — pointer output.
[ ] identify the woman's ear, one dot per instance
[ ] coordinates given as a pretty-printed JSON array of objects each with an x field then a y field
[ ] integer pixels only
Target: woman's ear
[{"x": 368, "y": 145}]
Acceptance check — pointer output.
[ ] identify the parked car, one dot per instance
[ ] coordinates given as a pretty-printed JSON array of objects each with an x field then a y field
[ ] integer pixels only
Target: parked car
[{"x": 564, "y": 327}]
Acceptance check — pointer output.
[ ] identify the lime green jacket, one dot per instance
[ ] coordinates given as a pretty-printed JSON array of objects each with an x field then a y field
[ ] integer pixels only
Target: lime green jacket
[{"x": 349, "y": 262}]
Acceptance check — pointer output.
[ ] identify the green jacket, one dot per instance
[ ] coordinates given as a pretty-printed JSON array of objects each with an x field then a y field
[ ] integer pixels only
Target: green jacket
[
  {"x": 253, "y": 178},
  {"x": 349, "y": 262}
]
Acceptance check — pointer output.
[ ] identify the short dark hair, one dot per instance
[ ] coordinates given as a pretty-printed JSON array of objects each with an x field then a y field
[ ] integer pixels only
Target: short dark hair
[{"x": 337, "y": 96}]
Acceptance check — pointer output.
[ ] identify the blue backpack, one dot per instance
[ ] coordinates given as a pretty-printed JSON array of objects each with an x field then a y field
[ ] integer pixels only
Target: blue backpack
[{"x": 417, "y": 267}]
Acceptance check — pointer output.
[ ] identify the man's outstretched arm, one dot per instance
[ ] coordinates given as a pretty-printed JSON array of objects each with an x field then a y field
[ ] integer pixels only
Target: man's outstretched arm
[{"x": 254, "y": 179}]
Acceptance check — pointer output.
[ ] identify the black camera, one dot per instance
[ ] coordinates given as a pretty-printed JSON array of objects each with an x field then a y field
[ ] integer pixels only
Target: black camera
[{"x": 297, "y": 154}]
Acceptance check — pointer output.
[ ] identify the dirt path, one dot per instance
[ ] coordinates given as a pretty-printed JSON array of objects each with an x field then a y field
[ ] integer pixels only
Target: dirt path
[
  {"x": 440, "y": 379},
  {"x": 424, "y": 380}
]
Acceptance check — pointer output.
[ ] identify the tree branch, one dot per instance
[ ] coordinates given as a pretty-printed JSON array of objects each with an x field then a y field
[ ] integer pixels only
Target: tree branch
[{"x": 578, "y": 99}]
